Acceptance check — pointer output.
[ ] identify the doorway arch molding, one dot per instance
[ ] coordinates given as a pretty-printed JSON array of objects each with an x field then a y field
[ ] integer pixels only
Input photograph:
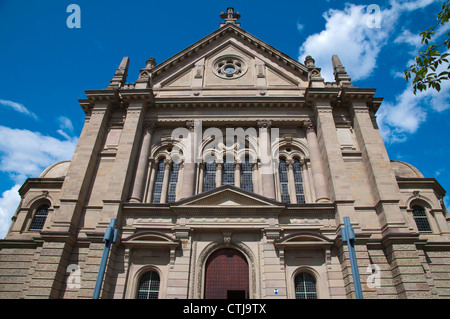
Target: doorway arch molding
[{"x": 216, "y": 245}]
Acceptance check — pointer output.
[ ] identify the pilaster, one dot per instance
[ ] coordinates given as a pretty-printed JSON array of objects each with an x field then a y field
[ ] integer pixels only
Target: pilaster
[
  {"x": 273, "y": 267},
  {"x": 178, "y": 278},
  {"x": 267, "y": 170},
  {"x": 188, "y": 186},
  {"x": 382, "y": 180}
]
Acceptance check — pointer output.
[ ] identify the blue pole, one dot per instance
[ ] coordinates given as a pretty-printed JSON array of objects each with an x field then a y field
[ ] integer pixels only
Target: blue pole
[
  {"x": 109, "y": 238},
  {"x": 348, "y": 234}
]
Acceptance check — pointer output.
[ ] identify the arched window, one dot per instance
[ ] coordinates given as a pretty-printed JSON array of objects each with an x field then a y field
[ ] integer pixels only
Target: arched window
[
  {"x": 305, "y": 286},
  {"x": 209, "y": 177},
  {"x": 159, "y": 181},
  {"x": 148, "y": 286},
  {"x": 228, "y": 173},
  {"x": 420, "y": 217},
  {"x": 284, "y": 183},
  {"x": 39, "y": 218},
  {"x": 172, "y": 193},
  {"x": 298, "y": 182},
  {"x": 246, "y": 175}
]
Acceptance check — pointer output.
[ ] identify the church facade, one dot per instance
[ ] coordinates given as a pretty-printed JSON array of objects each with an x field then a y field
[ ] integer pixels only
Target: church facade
[{"x": 229, "y": 169}]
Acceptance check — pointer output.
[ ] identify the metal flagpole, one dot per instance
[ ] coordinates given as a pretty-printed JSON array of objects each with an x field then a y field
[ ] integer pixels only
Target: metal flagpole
[
  {"x": 109, "y": 238},
  {"x": 348, "y": 234}
]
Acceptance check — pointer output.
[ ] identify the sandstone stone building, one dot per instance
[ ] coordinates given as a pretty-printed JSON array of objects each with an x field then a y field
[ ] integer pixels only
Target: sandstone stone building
[{"x": 229, "y": 223}]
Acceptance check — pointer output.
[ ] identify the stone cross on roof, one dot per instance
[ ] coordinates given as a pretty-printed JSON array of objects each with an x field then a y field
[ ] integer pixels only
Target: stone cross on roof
[{"x": 230, "y": 16}]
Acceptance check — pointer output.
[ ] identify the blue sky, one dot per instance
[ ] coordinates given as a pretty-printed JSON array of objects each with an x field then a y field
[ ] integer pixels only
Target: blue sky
[{"x": 46, "y": 67}]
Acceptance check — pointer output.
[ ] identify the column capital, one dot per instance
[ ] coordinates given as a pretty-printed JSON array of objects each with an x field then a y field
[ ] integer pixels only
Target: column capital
[
  {"x": 190, "y": 124},
  {"x": 289, "y": 163},
  {"x": 358, "y": 107},
  {"x": 168, "y": 162},
  {"x": 308, "y": 126},
  {"x": 149, "y": 125},
  {"x": 264, "y": 123}
]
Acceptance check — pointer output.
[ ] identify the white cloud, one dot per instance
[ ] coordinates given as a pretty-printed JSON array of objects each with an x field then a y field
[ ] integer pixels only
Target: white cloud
[
  {"x": 18, "y": 107},
  {"x": 412, "y": 39},
  {"x": 65, "y": 123},
  {"x": 25, "y": 153},
  {"x": 8, "y": 204},
  {"x": 348, "y": 34},
  {"x": 65, "y": 127},
  {"x": 398, "y": 119},
  {"x": 404, "y": 116}
]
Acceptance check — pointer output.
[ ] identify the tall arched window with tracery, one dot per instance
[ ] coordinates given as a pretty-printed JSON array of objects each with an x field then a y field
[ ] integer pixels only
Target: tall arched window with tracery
[
  {"x": 246, "y": 178},
  {"x": 298, "y": 182},
  {"x": 173, "y": 180},
  {"x": 284, "y": 182},
  {"x": 228, "y": 173},
  {"x": 209, "y": 176},
  {"x": 159, "y": 180}
]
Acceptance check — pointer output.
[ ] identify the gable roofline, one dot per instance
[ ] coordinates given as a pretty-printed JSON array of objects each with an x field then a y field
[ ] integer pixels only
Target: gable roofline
[
  {"x": 222, "y": 31},
  {"x": 222, "y": 188}
]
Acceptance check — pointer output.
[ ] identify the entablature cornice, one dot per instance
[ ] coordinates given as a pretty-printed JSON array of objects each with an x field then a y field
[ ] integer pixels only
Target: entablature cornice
[
  {"x": 40, "y": 183},
  {"x": 230, "y": 102},
  {"x": 421, "y": 183},
  {"x": 144, "y": 95}
]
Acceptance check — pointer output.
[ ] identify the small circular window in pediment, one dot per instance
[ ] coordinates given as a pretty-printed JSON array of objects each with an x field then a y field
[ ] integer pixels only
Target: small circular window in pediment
[{"x": 229, "y": 67}]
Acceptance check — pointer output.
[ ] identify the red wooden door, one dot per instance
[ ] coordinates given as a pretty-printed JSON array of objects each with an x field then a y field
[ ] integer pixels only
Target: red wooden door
[{"x": 226, "y": 275}]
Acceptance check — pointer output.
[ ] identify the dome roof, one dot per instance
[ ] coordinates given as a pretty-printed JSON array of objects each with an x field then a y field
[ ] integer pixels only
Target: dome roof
[
  {"x": 403, "y": 169},
  {"x": 56, "y": 170}
]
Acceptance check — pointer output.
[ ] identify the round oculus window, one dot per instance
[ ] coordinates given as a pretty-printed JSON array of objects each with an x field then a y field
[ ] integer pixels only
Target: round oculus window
[{"x": 229, "y": 67}]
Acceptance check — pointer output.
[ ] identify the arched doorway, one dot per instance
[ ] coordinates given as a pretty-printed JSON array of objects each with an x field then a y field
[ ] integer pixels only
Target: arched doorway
[{"x": 226, "y": 275}]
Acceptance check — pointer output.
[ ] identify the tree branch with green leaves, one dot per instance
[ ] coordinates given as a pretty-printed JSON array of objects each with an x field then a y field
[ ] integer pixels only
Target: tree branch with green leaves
[{"x": 424, "y": 72}]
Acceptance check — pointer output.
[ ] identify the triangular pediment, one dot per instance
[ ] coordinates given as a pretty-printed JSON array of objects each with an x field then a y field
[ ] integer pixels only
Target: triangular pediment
[
  {"x": 228, "y": 59},
  {"x": 228, "y": 196}
]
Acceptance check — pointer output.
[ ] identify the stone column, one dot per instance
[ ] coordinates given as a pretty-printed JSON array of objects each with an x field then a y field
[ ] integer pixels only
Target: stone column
[
  {"x": 306, "y": 182},
  {"x": 219, "y": 167},
  {"x": 201, "y": 174},
  {"x": 255, "y": 178},
  {"x": 265, "y": 150},
  {"x": 291, "y": 181},
  {"x": 237, "y": 174},
  {"x": 165, "y": 185},
  {"x": 151, "y": 181},
  {"x": 319, "y": 181},
  {"x": 142, "y": 167},
  {"x": 187, "y": 189}
]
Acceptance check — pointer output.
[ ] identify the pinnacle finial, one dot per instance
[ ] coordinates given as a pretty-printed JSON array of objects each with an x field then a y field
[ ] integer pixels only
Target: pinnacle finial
[
  {"x": 230, "y": 16},
  {"x": 340, "y": 75},
  {"x": 121, "y": 74}
]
